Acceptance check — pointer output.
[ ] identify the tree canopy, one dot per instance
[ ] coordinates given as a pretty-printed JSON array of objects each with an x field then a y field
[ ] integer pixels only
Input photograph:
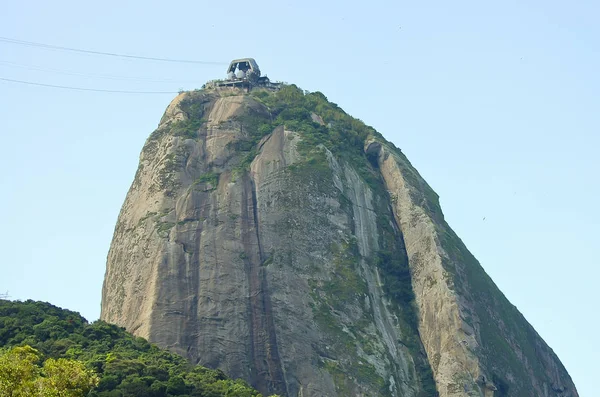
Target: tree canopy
[
  {"x": 22, "y": 375},
  {"x": 56, "y": 353}
]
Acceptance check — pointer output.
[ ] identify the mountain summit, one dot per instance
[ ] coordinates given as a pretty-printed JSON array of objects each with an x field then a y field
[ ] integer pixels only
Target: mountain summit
[{"x": 270, "y": 235}]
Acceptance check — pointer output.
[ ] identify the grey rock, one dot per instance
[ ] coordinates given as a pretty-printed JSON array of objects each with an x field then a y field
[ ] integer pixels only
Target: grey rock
[{"x": 267, "y": 264}]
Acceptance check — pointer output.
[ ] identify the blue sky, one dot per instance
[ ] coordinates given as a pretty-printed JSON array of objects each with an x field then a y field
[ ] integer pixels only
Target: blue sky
[{"x": 496, "y": 105}]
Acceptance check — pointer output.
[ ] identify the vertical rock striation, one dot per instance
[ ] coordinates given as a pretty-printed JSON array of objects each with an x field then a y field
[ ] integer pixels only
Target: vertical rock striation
[{"x": 260, "y": 240}]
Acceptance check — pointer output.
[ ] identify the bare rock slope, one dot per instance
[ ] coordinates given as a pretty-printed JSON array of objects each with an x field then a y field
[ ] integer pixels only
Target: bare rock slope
[{"x": 272, "y": 236}]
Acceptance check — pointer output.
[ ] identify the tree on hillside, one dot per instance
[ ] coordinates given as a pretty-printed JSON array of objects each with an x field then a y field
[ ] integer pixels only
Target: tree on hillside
[
  {"x": 126, "y": 365},
  {"x": 22, "y": 376}
]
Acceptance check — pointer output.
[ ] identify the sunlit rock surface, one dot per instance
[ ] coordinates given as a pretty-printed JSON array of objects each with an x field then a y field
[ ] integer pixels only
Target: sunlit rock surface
[{"x": 305, "y": 271}]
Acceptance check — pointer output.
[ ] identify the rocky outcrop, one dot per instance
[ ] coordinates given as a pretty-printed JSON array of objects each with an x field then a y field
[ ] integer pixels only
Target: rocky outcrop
[
  {"x": 245, "y": 247},
  {"x": 478, "y": 343}
]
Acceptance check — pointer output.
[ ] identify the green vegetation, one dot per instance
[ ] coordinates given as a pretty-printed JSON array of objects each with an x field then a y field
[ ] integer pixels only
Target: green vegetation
[
  {"x": 344, "y": 372},
  {"x": 506, "y": 337},
  {"x": 148, "y": 215},
  {"x": 392, "y": 262},
  {"x": 340, "y": 133},
  {"x": 397, "y": 280},
  {"x": 164, "y": 228},
  {"x": 343, "y": 381},
  {"x": 167, "y": 179},
  {"x": 340, "y": 378},
  {"x": 210, "y": 180},
  {"x": 22, "y": 376},
  {"x": 193, "y": 107},
  {"x": 187, "y": 129},
  {"x": 397, "y": 284},
  {"x": 69, "y": 353},
  {"x": 255, "y": 126},
  {"x": 209, "y": 177},
  {"x": 292, "y": 107},
  {"x": 345, "y": 285}
]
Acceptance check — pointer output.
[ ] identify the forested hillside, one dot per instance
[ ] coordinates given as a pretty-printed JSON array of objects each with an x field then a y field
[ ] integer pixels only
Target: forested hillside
[{"x": 125, "y": 366}]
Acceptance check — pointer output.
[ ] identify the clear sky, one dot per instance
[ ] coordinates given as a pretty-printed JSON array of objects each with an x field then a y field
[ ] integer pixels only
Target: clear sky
[{"x": 495, "y": 103}]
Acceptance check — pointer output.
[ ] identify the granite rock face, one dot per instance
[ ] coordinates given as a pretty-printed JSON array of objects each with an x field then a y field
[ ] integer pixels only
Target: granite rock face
[
  {"x": 478, "y": 344},
  {"x": 242, "y": 245}
]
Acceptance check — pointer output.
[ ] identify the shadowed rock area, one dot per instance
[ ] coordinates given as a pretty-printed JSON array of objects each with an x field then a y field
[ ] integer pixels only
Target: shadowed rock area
[{"x": 271, "y": 235}]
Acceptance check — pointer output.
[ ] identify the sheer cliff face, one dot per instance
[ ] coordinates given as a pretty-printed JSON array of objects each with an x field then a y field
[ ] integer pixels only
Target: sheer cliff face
[{"x": 247, "y": 244}]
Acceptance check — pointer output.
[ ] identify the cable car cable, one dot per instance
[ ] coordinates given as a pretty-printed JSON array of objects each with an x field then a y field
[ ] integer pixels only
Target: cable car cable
[
  {"x": 90, "y": 75},
  {"x": 87, "y": 89},
  {"x": 55, "y": 47}
]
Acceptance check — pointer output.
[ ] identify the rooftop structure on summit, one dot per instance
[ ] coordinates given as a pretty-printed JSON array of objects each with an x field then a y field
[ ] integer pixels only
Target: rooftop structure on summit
[
  {"x": 245, "y": 73},
  {"x": 243, "y": 68}
]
